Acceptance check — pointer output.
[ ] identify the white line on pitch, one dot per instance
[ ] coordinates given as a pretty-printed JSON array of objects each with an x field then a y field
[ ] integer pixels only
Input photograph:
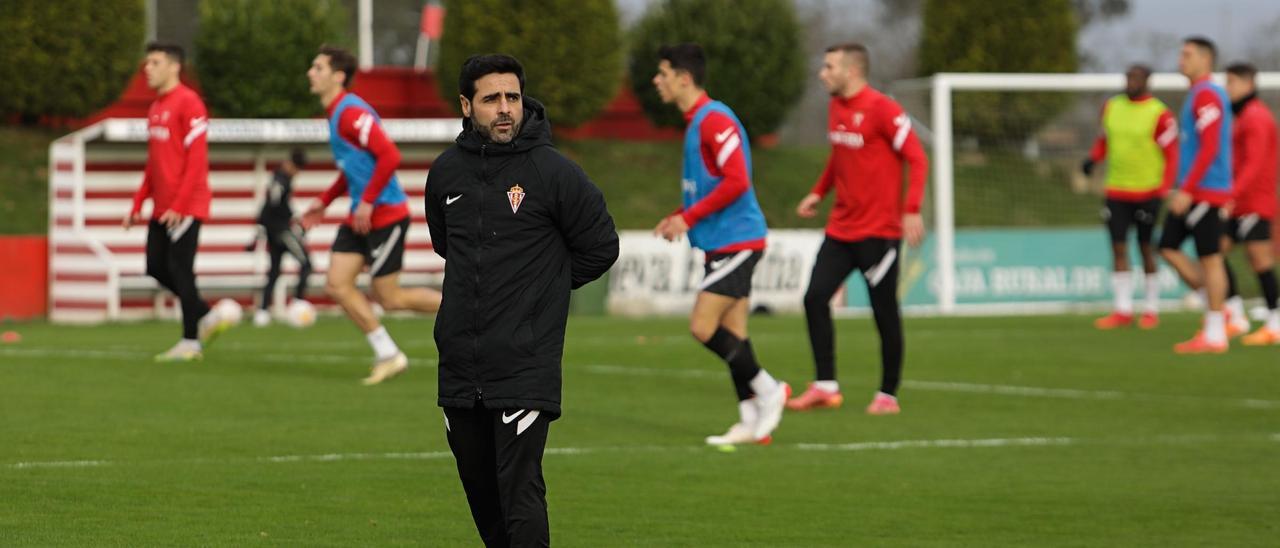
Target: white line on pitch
[
  {"x": 940, "y": 386},
  {"x": 866, "y": 446}
]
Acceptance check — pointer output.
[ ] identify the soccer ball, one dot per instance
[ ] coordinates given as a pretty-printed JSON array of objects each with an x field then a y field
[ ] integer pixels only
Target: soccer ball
[
  {"x": 228, "y": 311},
  {"x": 301, "y": 314}
]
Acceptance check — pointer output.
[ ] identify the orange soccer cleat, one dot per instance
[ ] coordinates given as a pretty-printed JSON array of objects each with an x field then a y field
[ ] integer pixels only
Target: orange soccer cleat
[
  {"x": 1149, "y": 320},
  {"x": 1199, "y": 345},
  {"x": 1113, "y": 320},
  {"x": 883, "y": 404},
  {"x": 1261, "y": 337},
  {"x": 815, "y": 398}
]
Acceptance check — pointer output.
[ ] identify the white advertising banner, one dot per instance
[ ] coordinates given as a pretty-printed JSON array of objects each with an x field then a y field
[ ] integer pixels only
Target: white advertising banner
[{"x": 657, "y": 277}]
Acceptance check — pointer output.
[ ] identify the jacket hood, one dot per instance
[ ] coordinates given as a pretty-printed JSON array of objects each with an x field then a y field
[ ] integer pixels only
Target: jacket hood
[{"x": 535, "y": 132}]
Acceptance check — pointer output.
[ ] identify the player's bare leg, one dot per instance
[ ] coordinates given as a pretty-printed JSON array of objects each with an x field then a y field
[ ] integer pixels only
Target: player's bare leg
[
  {"x": 720, "y": 323},
  {"x": 388, "y": 293},
  {"x": 389, "y": 361}
]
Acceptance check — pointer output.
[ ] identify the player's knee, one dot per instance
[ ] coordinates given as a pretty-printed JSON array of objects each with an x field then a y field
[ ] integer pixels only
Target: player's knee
[
  {"x": 702, "y": 330},
  {"x": 337, "y": 288}
]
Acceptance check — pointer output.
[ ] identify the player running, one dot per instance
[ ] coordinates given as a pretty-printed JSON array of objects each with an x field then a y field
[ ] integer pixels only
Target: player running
[
  {"x": 373, "y": 234},
  {"x": 1139, "y": 141},
  {"x": 1203, "y": 188},
  {"x": 722, "y": 218},
  {"x": 177, "y": 182},
  {"x": 283, "y": 235},
  {"x": 871, "y": 138},
  {"x": 1253, "y": 204}
]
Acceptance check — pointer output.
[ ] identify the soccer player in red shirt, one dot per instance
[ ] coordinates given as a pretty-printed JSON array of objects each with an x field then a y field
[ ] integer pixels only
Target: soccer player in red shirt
[
  {"x": 1252, "y": 209},
  {"x": 871, "y": 138},
  {"x": 374, "y": 232},
  {"x": 176, "y": 180}
]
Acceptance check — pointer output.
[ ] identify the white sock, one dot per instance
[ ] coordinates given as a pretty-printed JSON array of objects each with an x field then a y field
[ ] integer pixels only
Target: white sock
[
  {"x": 763, "y": 383},
  {"x": 827, "y": 386},
  {"x": 883, "y": 395},
  {"x": 1122, "y": 287},
  {"x": 1273, "y": 321},
  {"x": 1235, "y": 305},
  {"x": 1215, "y": 327},
  {"x": 191, "y": 344},
  {"x": 1152, "y": 304},
  {"x": 747, "y": 412},
  {"x": 383, "y": 346}
]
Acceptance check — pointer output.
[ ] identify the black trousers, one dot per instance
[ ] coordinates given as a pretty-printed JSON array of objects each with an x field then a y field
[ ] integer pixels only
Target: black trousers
[
  {"x": 171, "y": 260},
  {"x": 278, "y": 244},
  {"x": 878, "y": 261},
  {"x": 499, "y": 455}
]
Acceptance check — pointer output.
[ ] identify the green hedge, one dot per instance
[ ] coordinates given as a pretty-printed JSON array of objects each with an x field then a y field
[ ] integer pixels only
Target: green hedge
[
  {"x": 1000, "y": 36},
  {"x": 755, "y": 63},
  {"x": 69, "y": 57},
  {"x": 571, "y": 50},
  {"x": 251, "y": 56}
]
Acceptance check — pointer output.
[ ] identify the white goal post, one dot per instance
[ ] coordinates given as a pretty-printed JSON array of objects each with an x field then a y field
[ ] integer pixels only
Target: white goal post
[{"x": 942, "y": 89}]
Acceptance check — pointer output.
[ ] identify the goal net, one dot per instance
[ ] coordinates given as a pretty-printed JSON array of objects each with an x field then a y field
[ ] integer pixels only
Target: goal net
[{"x": 1016, "y": 225}]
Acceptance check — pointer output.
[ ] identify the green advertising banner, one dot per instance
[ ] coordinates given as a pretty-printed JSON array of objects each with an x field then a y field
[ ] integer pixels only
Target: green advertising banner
[{"x": 1016, "y": 266}]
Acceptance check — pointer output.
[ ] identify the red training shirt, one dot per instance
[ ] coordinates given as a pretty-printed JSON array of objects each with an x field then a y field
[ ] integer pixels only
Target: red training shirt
[
  {"x": 359, "y": 128},
  {"x": 871, "y": 137},
  {"x": 177, "y": 174},
  {"x": 722, "y": 154},
  {"x": 1253, "y": 161}
]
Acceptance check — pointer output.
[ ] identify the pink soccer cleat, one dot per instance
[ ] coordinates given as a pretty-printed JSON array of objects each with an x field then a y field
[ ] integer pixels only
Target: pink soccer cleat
[
  {"x": 883, "y": 404},
  {"x": 815, "y": 398}
]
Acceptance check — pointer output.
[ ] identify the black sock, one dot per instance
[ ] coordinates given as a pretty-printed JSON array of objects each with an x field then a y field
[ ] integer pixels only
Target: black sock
[
  {"x": 738, "y": 355},
  {"x": 1232, "y": 290},
  {"x": 1267, "y": 279}
]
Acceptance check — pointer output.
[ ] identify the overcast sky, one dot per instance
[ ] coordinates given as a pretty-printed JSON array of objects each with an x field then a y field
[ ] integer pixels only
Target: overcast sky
[{"x": 1152, "y": 28}]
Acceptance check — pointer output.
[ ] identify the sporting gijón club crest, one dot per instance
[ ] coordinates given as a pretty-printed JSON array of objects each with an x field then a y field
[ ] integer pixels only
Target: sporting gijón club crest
[{"x": 515, "y": 195}]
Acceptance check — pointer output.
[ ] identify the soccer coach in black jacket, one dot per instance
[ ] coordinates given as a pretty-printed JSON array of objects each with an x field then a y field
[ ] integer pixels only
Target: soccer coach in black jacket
[{"x": 519, "y": 226}]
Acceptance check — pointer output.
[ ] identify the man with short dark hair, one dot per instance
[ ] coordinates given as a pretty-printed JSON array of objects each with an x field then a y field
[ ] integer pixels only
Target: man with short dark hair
[
  {"x": 1203, "y": 188},
  {"x": 177, "y": 182},
  {"x": 721, "y": 216},
  {"x": 519, "y": 226},
  {"x": 871, "y": 142},
  {"x": 1139, "y": 141},
  {"x": 377, "y": 223},
  {"x": 282, "y": 233},
  {"x": 1254, "y": 143}
]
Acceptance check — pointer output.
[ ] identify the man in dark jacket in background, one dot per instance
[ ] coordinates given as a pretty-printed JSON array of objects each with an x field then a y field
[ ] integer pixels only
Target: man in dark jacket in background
[{"x": 519, "y": 226}]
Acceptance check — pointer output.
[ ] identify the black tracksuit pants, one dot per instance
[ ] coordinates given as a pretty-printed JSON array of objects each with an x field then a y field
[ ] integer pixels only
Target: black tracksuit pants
[
  {"x": 171, "y": 260},
  {"x": 279, "y": 243},
  {"x": 878, "y": 261},
  {"x": 499, "y": 456}
]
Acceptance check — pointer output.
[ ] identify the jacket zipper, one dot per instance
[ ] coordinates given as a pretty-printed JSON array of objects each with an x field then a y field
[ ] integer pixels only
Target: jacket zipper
[{"x": 475, "y": 339}]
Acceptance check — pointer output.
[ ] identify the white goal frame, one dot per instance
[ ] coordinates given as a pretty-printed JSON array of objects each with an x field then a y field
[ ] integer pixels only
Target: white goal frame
[{"x": 942, "y": 86}]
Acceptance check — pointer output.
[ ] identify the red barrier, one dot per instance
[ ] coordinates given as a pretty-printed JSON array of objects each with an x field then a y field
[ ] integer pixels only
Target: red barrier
[{"x": 24, "y": 277}]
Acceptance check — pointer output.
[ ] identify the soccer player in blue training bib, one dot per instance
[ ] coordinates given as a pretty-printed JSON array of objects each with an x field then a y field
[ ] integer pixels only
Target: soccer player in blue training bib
[
  {"x": 1203, "y": 187},
  {"x": 374, "y": 231},
  {"x": 722, "y": 218}
]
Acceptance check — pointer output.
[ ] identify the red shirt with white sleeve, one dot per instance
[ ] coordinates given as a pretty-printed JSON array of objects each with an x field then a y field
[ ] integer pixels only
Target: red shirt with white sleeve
[
  {"x": 1253, "y": 161},
  {"x": 722, "y": 154},
  {"x": 360, "y": 128},
  {"x": 177, "y": 174},
  {"x": 871, "y": 138}
]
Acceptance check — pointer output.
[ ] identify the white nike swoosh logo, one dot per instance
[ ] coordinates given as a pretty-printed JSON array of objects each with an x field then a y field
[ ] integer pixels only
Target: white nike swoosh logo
[
  {"x": 720, "y": 137},
  {"x": 507, "y": 420},
  {"x": 450, "y": 201},
  {"x": 715, "y": 265}
]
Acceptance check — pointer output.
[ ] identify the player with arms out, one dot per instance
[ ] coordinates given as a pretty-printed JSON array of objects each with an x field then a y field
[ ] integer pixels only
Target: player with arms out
[
  {"x": 722, "y": 218},
  {"x": 1203, "y": 188},
  {"x": 1253, "y": 204},
  {"x": 1139, "y": 142},
  {"x": 871, "y": 139},
  {"x": 373, "y": 234},
  {"x": 177, "y": 182}
]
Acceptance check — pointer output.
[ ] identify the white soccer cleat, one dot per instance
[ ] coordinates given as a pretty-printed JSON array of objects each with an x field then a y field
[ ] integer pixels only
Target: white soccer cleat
[
  {"x": 261, "y": 318},
  {"x": 738, "y": 434},
  {"x": 181, "y": 352},
  {"x": 386, "y": 369},
  {"x": 770, "y": 406}
]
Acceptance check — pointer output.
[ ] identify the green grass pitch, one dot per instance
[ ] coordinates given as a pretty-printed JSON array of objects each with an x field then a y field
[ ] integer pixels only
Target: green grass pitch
[{"x": 1015, "y": 432}]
